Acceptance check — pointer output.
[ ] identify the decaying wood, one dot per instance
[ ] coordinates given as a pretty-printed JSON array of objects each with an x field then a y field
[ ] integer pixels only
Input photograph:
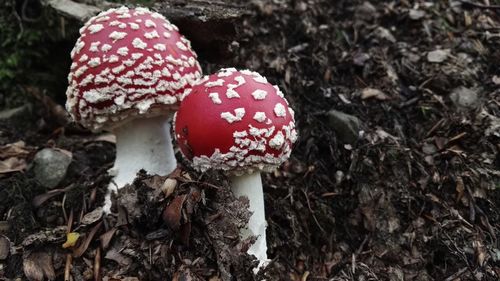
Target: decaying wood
[{"x": 210, "y": 25}]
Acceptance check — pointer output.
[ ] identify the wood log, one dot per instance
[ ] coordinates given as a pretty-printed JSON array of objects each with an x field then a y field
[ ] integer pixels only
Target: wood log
[{"x": 210, "y": 25}]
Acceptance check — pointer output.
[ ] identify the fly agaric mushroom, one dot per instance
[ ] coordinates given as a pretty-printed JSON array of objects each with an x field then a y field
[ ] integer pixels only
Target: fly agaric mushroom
[
  {"x": 129, "y": 67},
  {"x": 237, "y": 122}
]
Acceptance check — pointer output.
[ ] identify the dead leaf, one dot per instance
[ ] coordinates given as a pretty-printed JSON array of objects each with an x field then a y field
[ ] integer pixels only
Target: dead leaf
[
  {"x": 172, "y": 213},
  {"x": 38, "y": 266},
  {"x": 71, "y": 239},
  {"x": 78, "y": 252},
  {"x": 106, "y": 138},
  {"x": 438, "y": 56},
  {"x": 118, "y": 257},
  {"x": 92, "y": 217},
  {"x": 106, "y": 237},
  {"x": 373, "y": 93},
  {"x": 4, "y": 247},
  {"x": 12, "y": 164},
  {"x": 40, "y": 199},
  {"x": 16, "y": 149}
]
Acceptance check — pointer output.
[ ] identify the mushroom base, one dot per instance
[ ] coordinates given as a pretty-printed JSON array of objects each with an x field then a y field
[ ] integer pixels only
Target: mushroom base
[
  {"x": 141, "y": 144},
  {"x": 250, "y": 185}
]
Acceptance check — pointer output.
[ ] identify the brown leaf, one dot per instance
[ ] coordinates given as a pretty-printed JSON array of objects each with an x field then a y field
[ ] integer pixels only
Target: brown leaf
[
  {"x": 373, "y": 93},
  {"x": 78, "y": 252},
  {"x": 4, "y": 247},
  {"x": 106, "y": 237},
  {"x": 16, "y": 149},
  {"x": 184, "y": 233},
  {"x": 40, "y": 199},
  {"x": 38, "y": 266},
  {"x": 12, "y": 164},
  {"x": 92, "y": 217},
  {"x": 172, "y": 213}
]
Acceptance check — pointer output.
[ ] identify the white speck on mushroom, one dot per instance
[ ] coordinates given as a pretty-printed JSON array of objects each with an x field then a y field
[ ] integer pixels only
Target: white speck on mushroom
[
  {"x": 94, "y": 28},
  {"x": 119, "y": 100},
  {"x": 83, "y": 58},
  {"x": 94, "y": 62},
  {"x": 181, "y": 46},
  {"x": 133, "y": 25},
  {"x": 123, "y": 51},
  {"x": 277, "y": 141},
  {"x": 106, "y": 47},
  {"x": 87, "y": 80},
  {"x": 218, "y": 82},
  {"x": 168, "y": 26},
  {"x": 279, "y": 110},
  {"x": 260, "y": 116},
  {"x": 150, "y": 23},
  {"x": 151, "y": 35},
  {"x": 139, "y": 44},
  {"x": 80, "y": 71},
  {"x": 118, "y": 69},
  {"x": 94, "y": 96},
  {"x": 215, "y": 98},
  {"x": 160, "y": 47},
  {"x": 78, "y": 46},
  {"x": 279, "y": 92},
  {"x": 124, "y": 16},
  {"x": 137, "y": 56},
  {"x": 101, "y": 19},
  {"x": 116, "y": 35},
  {"x": 167, "y": 34},
  {"x": 231, "y": 94},
  {"x": 225, "y": 72},
  {"x": 115, "y": 23},
  {"x": 259, "y": 94},
  {"x": 240, "y": 134},
  {"x": 230, "y": 118},
  {"x": 113, "y": 58},
  {"x": 94, "y": 46},
  {"x": 260, "y": 79},
  {"x": 292, "y": 113}
]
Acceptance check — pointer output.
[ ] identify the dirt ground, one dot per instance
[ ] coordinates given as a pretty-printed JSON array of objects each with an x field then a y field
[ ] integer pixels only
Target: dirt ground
[{"x": 416, "y": 196}]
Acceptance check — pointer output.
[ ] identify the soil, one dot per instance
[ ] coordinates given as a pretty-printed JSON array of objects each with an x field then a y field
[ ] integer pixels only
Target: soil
[{"x": 415, "y": 197}]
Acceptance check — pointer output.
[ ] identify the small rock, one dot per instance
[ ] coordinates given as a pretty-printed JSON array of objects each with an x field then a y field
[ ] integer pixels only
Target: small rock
[
  {"x": 464, "y": 98},
  {"x": 50, "y": 166},
  {"x": 13, "y": 112},
  {"x": 366, "y": 11},
  {"x": 496, "y": 80},
  {"x": 416, "y": 14},
  {"x": 384, "y": 33},
  {"x": 360, "y": 58},
  {"x": 346, "y": 126},
  {"x": 438, "y": 55}
]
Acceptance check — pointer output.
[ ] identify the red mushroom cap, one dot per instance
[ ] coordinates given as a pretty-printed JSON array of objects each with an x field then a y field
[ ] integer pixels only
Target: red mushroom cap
[
  {"x": 236, "y": 121},
  {"x": 128, "y": 62}
]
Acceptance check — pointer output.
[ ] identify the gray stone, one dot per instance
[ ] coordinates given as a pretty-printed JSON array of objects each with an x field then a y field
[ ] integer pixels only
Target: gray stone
[
  {"x": 50, "y": 166},
  {"x": 464, "y": 98},
  {"x": 346, "y": 126}
]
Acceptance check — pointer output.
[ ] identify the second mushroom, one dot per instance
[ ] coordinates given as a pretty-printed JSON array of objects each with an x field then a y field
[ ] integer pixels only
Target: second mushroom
[{"x": 237, "y": 122}]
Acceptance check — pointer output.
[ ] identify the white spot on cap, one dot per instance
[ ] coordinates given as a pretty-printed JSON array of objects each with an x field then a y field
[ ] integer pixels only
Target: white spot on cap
[
  {"x": 240, "y": 134},
  {"x": 94, "y": 46},
  {"x": 83, "y": 58},
  {"x": 94, "y": 28},
  {"x": 160, "y": 47},
  {"x": 215, "y": 98},
  {"x": 230, "y": 118},
  {"x": 150, "y": 23},
  {"x": 116, "y": 35},
  {"x": 115, "y": 23},
  {"x": 231, "y": 94},
  {"x": 279, "y": 110},
  {"x": 218, "y": 82},
  {"x": 277, "y": 141},
  {"x": 123, "y": 51},
  {"x": 292, "y": 113},
  {"x": 133, "y": 25},
  {"x": 225, "y": 72},
  {"x": 181, "y": 46},
  {"x": 94, "y": 62},
  {"x": 113, "y": 58},
  {"x": 260, "y": 79},
  {"x": 167, "y": 34},
  {"x": 260, "y": 116},
  {"x": 139, "y": 44},
  {"x": 151, "y": 35},
  {"x": 259, "y": 94},
  {"x": 106, "y": 47}
]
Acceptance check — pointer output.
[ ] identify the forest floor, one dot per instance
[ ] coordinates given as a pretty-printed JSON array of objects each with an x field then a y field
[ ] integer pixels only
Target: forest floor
[{"x": 414, "y": 196}]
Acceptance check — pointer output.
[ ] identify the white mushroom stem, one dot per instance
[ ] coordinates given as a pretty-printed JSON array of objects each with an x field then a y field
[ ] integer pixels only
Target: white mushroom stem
[
  {"x": 143, "y": 143},
  {"x": 250, "y": 185}
]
